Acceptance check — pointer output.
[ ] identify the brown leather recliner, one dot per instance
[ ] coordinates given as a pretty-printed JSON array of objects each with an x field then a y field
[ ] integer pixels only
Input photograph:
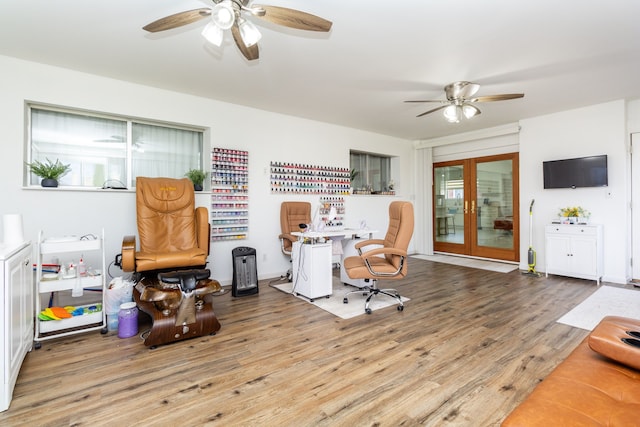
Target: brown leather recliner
[{"x": 172, "y": 284}]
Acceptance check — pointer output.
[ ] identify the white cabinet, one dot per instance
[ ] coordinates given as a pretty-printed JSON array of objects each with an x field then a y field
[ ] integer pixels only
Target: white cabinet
[
  {"x": 16, "y": 302},
  {"x": 574, "y": 250},
  {"x": 92, "y": 283},
  {"x": 311, "y": 264}
]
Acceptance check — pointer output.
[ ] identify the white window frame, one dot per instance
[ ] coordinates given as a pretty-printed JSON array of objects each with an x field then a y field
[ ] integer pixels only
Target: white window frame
[
  {"x": 200, "y": 159},
  {"x": 366, "y": 174}
]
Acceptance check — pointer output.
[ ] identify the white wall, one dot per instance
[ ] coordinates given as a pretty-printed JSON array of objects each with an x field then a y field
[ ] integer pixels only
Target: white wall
[
  {"x": 594, "y": 130},
  {"x": 267, "y": 136}
]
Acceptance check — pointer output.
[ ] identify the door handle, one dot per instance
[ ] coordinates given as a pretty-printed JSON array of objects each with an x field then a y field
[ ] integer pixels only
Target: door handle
[
  {"x": 466, "y": 207},
  {"x": 473, "y": 206}
]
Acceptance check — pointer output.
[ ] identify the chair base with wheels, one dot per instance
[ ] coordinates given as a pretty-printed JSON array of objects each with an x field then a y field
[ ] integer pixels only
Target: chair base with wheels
[{"x": 372, "y": 291}]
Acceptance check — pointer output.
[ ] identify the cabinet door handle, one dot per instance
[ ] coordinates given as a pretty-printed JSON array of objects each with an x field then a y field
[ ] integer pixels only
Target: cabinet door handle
[
  {"x": 473, "y": 206},
  {"x": 466, "y": 206}
]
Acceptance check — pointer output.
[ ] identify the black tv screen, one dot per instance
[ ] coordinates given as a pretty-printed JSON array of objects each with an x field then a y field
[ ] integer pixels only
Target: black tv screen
[{"x": 573, "y": 173}]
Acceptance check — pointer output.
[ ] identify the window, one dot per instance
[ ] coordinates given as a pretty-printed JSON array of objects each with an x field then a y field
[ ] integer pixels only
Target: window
[
  {"x": 372, "y": 172},
  {"x": 103, "y": 149}
]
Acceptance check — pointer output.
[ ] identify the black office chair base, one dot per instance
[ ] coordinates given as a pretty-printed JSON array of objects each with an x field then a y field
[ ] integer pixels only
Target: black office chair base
[{"x": 372, "y": 291}]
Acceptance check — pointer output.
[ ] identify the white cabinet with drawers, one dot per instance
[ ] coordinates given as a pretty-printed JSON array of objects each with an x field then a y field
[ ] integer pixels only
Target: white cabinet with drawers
[
  {"x": 574, "y": 250},
  {"x": 16, "y": 312}
]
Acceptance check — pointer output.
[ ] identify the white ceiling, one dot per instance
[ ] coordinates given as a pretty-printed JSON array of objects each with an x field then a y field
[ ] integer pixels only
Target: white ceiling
[{"x": 560, "y": 54}]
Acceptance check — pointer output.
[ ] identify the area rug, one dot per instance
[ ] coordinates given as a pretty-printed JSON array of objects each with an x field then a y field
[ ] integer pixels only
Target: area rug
[
  {"x": 500, "y": 267},
  {"x": 335, "y": 305},
  {"x": 606, "y": 301}
]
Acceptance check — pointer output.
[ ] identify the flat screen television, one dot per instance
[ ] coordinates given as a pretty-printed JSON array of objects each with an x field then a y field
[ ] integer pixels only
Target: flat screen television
[{"x": 573, "y": 173}]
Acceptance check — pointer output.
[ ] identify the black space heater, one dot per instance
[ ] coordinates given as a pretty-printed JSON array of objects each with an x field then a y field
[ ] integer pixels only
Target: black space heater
[{"x": 245, "y": 273}]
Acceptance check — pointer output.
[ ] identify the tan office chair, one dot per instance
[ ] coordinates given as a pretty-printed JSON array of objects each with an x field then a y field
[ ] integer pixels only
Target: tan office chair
[
  {"x": 292, "y": 214},
  {"x": 172, "y": 284},
  {"x": 387, "y": 260}
]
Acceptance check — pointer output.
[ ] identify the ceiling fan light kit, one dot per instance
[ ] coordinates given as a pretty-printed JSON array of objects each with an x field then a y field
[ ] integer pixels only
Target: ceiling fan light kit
[
  {"x": 249, "y": 33},
  {"x": 213, "y": 34},
  {"x": 227, "y": 14},
  {"x": 451, "y": 114},
  {"x": 223, "y": 15},
  {"x": 459, "y": 101}
]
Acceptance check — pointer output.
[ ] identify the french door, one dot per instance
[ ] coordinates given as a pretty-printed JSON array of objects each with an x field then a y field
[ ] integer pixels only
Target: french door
[{"x": 475, "y": 207}]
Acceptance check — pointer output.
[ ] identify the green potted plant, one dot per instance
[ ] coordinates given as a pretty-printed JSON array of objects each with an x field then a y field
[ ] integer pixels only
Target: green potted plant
[
  {"x": 196, "y": 176},
  {"x": 49, "y": 171}
]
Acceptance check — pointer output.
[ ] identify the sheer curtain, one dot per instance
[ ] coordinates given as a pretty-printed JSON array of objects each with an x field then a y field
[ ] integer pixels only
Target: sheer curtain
[
  {"x": 163, "y": 151},
  {"x": 95, "y": 147}
]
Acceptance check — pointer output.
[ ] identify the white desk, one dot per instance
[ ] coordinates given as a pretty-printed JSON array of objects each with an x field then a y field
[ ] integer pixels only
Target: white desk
[
  {"x": 347, "y": 232},
  {"x": 348, "y": 247}
]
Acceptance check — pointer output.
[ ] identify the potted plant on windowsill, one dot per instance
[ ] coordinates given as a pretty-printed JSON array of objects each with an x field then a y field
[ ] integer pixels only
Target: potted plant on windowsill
[
  {"x": 49, "y": 171},
  {"x": 196, "y": 176}
]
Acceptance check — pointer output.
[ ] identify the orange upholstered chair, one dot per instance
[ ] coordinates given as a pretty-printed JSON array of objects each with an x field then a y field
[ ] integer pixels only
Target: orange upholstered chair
[
  {"x": 292, "y": 214},
  {"x": 172, "y": 284},
  {"x": 383, "y": 259}
]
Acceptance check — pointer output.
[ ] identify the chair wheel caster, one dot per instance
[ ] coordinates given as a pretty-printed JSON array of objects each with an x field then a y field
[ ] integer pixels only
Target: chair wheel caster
[
  {"x": 401, "y": 308},
  {"x": 104, "y": 331},
  {"x": 345, "y": 301},
  {"x": 367, "y": 310},
  {"x": 37, "y": 345}
]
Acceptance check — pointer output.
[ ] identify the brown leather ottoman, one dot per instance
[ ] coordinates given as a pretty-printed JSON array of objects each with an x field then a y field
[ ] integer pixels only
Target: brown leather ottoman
[{"x": 590, "y": 388}]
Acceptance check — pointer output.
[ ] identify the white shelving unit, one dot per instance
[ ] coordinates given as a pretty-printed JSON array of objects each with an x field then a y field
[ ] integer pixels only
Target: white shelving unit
[
  {"x": 574, "y": 251},
  {"x": 72, "y": 248}
]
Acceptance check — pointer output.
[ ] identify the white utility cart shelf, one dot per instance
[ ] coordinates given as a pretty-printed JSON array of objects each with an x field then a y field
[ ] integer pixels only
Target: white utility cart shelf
[{"x": 72, "y": 248}]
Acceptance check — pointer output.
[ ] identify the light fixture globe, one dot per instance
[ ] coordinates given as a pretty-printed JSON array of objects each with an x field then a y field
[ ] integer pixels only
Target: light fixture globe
[
  {"x": 470, "y": 111},
  {"x": 452, "y": 113},
  {"x": 213, "y": 34},
  {"x": 249, "y": 33},
  {"x": 223, "y": 15}
]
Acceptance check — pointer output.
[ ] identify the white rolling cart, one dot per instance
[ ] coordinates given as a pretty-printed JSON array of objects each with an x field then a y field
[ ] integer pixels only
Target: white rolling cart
[
  {"x": 70, "y": 248},
  {"x": 311, "y": 264}
]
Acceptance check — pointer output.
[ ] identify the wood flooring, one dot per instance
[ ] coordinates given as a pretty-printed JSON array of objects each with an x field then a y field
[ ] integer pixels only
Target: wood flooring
[{"x": 468, "y": 347}]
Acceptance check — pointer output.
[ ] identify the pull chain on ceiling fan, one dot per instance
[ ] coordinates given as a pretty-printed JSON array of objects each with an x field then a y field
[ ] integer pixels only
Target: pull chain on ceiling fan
[
  {"x": 460, "y": 101},
  {"x": 228, "y": 14}
]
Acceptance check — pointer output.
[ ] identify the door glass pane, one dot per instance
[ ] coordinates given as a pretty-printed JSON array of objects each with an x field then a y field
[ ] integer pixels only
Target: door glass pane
[
  {"x": 448, "y": 201},
  {"x": 494, "y": 189}
]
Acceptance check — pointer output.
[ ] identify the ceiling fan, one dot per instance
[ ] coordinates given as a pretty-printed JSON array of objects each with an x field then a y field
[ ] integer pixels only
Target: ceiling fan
[
  {"x": 460, "y": 101},
  {"x": 230, "y": 14}
]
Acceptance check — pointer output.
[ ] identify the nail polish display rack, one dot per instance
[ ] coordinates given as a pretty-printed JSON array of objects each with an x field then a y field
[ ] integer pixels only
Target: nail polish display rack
[
  {"x": 230, "y": 194},
  {"x": 294, "y": 178},
  {"x": 328, "y": 202}
]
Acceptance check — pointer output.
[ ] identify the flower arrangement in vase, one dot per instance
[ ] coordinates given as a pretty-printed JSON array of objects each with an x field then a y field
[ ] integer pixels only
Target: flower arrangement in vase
[{"x": 574, "y": 215}]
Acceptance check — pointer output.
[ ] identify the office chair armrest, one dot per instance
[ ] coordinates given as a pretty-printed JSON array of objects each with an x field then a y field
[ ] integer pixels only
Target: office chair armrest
[
  {"x": 128, "y": 254},
  {"x": 285, "y": 236},
  {"x": 383, "y": 251},
  {"x": 203, "y": 228},
  {"x": 288, "y": 236},
  {"x": 368, "y": 242}
]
